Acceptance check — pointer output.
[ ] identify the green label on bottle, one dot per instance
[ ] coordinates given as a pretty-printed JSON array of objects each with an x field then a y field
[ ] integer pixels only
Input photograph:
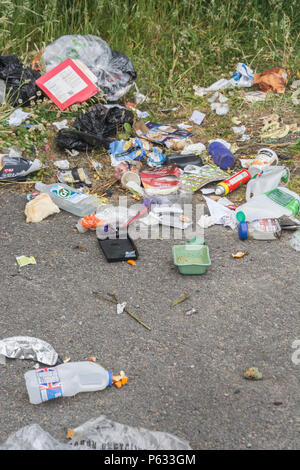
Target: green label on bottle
[{"x": 284, "y": 199}]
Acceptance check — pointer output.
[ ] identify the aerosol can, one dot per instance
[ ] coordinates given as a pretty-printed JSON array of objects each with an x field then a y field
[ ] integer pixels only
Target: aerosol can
[{"x": 232, "y": 183}]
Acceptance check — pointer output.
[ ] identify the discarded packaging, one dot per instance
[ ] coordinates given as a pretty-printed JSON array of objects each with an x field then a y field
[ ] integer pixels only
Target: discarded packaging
[
  {"x": 61, "y": 124},
  {"x": 104, "y": 434},
  {"x": 26, "y": 347},
  {"x": 17, "y": 117},
  {"x": 233, "y": 182},
  {"x": 89, "y": 222},
  {"x": 220, "y": 108},
  {"x": 295, "y": 85},
  {"x": 221, "y": 155},
  {"x": 272, "y": 130},
  {"x": 193, "y": 149},
  {"x": 254, "y": 96},
  {"x": 25, "y": 260},
  {"x": 163, "y": 134},
  {"x": 195, "y": 177},
  {"x": 125, "y": 167},
  {"x": 120, "y": 308},
  {"x": 272, "y": 204},
  {"x": 126, "y": 151},
  {"x": 263, "y": 229},
  {"x": 76, "y": 176},
  {"x": 19, "y": 80},
  {"x": 222, "y": 214},
  {"x": 96, "y": 434},
  {"x": 161, "y": 180},
  {"x": 191, "y": 311},
  {"x": 66, "y": 380},
  {"x": 62, "y": 164},
  {"x": 266, "y": 179},
  {"x": 113, "y": 70},
  {"x": 13, "y": 167},
  {"x": 155, "y": 158},
  {"x": 243, "y": 77},
  {"x": 67, "y": 84},
  {"x": 175, "y": 220},
  {"x": 118, "y": 249},
  {"x": 272, "y": 79},
  {"x": 191, "y": 259},
  {"x": 206, "y": 221},
  {"x": 39, "y": 208},
  {"x": 96, "y": 128},
  {"x": 70, "y": 199},
  {"x": 264, "y": 158},
  {"x": 197, "y": 117}
]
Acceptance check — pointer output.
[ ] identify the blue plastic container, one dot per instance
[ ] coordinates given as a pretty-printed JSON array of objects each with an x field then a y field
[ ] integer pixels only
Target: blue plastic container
[{"x": 221, "y": 155}]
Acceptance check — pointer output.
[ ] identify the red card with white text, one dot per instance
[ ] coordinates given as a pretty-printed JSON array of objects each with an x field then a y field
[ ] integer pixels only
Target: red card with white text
[{"x": 67, "y": 84}]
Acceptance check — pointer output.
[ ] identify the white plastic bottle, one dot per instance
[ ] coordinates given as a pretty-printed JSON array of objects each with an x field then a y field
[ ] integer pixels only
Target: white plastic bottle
[
  {"x": 272, "y": 205},
  {"x": 263, "y": 229},
  {"x": 70, "y": 199},
  {"x": 66, "y": 380}
]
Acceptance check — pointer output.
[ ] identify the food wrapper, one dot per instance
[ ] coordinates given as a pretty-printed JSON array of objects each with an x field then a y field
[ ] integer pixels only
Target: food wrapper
[{"x": 26, "y": 347}]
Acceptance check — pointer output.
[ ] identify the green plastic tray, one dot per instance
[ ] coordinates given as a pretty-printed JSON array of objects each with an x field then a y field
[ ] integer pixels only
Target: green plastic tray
[{"x": 191, "y": 259}]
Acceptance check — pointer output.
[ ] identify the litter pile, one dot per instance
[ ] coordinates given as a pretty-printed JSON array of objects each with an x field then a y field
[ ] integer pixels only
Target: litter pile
[{"x": 161, "y": 166}]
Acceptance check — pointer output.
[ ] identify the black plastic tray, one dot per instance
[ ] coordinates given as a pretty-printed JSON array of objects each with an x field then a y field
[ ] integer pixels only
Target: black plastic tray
[
  {"x": 118, "y": 249},
  {"x": 183, "y": 160}
]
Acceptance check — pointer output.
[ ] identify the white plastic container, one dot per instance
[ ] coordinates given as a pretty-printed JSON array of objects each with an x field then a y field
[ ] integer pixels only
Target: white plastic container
[
  {"x": 70, "y": 199},
  {"x": 272, "y": 204},
  {"x": 66, "y": 380}
]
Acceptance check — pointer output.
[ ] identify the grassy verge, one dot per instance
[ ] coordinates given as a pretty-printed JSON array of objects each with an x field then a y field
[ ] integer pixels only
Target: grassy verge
[{"x": 173, "y": 45}]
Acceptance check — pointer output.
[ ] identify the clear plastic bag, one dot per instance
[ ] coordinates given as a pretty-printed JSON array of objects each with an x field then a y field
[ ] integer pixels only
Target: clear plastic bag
[
  {"x": 103, "y": 434},
  {"x": 114, "y": 71},
  {"x": 96, "y": 434},
  {"x": 33, "y": 437}
]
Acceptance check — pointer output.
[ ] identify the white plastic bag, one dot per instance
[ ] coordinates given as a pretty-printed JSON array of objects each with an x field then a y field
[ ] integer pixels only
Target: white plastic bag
[{"x": 267, "y": 179}]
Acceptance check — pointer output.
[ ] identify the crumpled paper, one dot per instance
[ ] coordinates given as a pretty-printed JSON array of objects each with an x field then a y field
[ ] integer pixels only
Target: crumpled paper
[{"x": 39, "y": 208}]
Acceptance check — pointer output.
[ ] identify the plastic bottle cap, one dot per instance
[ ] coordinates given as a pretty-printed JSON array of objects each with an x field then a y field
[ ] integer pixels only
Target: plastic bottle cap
[
  {"x": 110, "y": 378},
  {"x": 240, "y": 216},
  {"x": 243, "y": 230}
]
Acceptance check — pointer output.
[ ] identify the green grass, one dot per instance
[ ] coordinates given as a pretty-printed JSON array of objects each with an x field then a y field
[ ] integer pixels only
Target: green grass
[{"x": 173, "y": 44}]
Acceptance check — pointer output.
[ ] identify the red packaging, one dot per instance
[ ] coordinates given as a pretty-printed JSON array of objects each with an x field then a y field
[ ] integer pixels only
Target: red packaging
[
  {"x": 67, "y": 84},
  {"x": 161, "y": 177}
]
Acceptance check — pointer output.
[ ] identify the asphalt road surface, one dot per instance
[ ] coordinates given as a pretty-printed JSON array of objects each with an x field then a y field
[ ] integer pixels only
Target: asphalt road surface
[{"x": 186, "y": 375}]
